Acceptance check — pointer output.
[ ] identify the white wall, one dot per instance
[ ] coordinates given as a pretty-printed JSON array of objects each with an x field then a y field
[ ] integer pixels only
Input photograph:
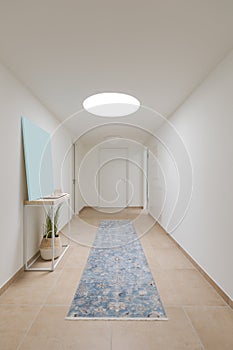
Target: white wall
[
  {"x": 205, "y": 122},
  {"x": 80, "y": 151},
  {"x": 87, "y": 181},
  {"x": 17, "y": 101},
  {"x": 156, "y": 184}
]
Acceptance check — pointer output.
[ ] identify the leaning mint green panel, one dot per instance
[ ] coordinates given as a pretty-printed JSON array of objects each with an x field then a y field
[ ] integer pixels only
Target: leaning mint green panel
[{"x": 38, "y": 160}]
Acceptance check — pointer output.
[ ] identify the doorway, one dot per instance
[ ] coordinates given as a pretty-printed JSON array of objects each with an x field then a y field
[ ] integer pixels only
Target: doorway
[{"x": 113, "y": 177}]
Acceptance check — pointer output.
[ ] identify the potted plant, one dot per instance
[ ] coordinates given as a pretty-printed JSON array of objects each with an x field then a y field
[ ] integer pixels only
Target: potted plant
[{"x": 46, "y": 243}]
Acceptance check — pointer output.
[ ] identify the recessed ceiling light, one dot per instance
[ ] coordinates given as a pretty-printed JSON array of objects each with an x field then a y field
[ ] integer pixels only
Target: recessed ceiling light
[{"x": 111, "y": 104}]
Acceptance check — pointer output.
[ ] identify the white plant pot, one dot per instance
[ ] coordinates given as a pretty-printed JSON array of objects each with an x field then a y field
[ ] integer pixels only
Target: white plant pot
[{"x": 46, "y": 248}]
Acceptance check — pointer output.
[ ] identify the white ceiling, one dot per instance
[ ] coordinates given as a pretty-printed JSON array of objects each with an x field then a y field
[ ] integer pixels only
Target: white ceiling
[{"x": 158, "y": 51}]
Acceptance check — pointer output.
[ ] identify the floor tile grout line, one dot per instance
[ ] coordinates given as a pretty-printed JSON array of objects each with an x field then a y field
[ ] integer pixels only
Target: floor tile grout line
[
  {"x": 199, "y": 273},
  {"x": 28, "y": 304},
  {"x": 24, "y": 305},
  {"x": 210, "y": 285},
  {"x": 193, "y": 328},
  {"x": 63, "y": 268},
  {"x": 207, "y": 306},
  {"x": 29, "y": 328},
  {"x": 196, "y": 306},
  {"x": 34, "y": 305},
  {"x": 54, "y": 284},
  {"x": 196, "y": 268},
  {"x": 37, "y": 314},
  {"x": 40, "y": 309}
]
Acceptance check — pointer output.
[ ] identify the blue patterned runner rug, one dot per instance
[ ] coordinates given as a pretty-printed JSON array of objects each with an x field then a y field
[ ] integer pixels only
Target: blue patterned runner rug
[{"x": 117, "y": 282}]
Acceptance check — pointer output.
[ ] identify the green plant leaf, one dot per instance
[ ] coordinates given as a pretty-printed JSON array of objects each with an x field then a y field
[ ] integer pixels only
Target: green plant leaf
[{"x": 48, "y": 227}]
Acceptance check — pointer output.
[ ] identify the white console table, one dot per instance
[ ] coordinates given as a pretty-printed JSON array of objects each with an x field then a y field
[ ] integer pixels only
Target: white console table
[{"x": 52, "y": 203}]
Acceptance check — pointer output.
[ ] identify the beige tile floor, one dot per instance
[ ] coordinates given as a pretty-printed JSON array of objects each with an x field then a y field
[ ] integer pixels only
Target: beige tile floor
[{"x": 33, "y": 308}]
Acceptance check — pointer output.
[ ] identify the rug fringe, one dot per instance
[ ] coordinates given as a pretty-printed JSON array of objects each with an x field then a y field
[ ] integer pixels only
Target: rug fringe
[{"x": 116, "y": 319}]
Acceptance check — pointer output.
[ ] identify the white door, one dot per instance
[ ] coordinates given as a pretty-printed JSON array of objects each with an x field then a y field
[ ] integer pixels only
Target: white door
[{"x": 112, "y": 177}]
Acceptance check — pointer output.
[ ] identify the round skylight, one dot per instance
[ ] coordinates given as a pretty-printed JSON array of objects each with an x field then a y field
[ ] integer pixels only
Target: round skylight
[{"x": 111, "y": 104}]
